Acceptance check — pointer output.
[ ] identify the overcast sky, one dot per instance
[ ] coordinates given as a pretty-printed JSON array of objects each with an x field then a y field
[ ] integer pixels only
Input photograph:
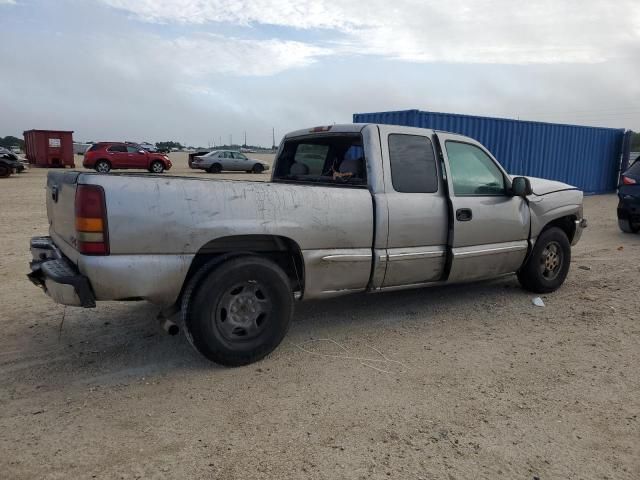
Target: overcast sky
[{"x": 196, "y": 71}]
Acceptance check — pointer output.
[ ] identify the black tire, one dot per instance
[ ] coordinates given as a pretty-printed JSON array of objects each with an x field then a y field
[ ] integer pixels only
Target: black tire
[
  {"x": 215, "y": 168},
  {"x": 627, "y": 227},
  {"x": 257, "y": 168},
  {"x": 240, "y": 311},
  {"x": 547, "y": 267},
  {"x": 156, "y": 167},
  {"x": 102, "y": 166},
  {"x": 4, "y": 171}
]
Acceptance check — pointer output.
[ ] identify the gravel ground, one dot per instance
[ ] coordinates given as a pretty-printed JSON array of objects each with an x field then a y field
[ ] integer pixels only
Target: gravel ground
[{"x": 456, "y": 382}]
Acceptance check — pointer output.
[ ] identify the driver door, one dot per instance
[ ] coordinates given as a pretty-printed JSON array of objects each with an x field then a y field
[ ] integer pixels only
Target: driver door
[
  {"x": 240, "y": 162},
  {"x": 136, "y": 158},
  {"x": 490, "y": 225}
]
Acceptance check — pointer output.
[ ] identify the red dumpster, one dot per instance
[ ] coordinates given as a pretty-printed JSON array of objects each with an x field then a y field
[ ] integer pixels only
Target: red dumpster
[{"x": 49, "y": 148}]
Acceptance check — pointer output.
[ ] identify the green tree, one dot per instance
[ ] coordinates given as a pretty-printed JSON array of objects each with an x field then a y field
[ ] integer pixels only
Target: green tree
[{"x": 9, "y": 141}]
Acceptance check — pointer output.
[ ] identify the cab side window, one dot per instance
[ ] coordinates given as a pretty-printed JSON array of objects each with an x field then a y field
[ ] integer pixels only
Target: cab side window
[
  {"x": 413, "y": 164},
  {"x": 473, "y": 172}
]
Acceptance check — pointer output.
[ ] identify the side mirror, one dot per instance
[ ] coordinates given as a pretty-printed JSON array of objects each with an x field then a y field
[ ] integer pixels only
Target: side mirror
[{"x": 521, "y": 187}]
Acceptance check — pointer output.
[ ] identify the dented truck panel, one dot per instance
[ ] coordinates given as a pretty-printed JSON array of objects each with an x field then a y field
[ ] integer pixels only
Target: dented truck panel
[
  {"x": 351, "y": 238},
  {"x": 178, "y": 216}
]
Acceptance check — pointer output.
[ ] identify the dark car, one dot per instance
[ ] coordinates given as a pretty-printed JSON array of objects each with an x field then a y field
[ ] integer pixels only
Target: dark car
[
  {"x": 107, "y": 156},
  {"x": 9, "y": 163},
  {"x": 629, "y": 194}
]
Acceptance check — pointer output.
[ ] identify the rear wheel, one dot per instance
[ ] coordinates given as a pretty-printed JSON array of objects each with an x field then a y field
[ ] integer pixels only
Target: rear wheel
[
  {"x": 240, "y": 311},
  {"x": 257, "y": 168},
  {"x": 627, "y": 227},
  {"x": 548, "y": 266},
  {"x": 102, "y": 166},
  {"x": 215, "y": 168},
  {"x": 157, "y": 167},
  {"x": 4, "y": 171}
]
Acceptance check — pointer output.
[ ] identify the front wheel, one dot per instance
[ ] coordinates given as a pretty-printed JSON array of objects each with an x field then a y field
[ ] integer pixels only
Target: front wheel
[
  {"x": 240, "y": 311},
  {"x": 627, "y": 227},
  {"x": 257, "y": 168},
  {"x": 547, "y": 267},
  {"x": 4, "y": 171},
  {"x": 157, "y": 167}
]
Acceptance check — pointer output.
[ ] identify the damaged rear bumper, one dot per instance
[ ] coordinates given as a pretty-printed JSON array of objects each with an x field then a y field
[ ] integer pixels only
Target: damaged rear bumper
[{"x": 59, "y": 278}]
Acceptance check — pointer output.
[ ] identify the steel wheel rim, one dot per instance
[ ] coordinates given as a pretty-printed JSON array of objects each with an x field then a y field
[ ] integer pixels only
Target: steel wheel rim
[
  {"x": 157, "y": 168},
  {"x": 551, "y": 260},
  {"x": 243, "y": 311},
  {"x": 103, "y": 167}
]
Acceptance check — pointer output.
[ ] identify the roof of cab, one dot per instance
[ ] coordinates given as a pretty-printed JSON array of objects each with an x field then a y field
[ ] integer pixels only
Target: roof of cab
[{"x": 356, "y": 128}]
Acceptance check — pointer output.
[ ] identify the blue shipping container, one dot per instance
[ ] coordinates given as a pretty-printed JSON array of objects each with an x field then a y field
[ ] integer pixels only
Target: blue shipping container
[{"x": 587, "y": 157}]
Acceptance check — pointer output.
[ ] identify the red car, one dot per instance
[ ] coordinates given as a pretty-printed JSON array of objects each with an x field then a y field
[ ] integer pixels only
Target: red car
[{"x": 105, "y": 156}]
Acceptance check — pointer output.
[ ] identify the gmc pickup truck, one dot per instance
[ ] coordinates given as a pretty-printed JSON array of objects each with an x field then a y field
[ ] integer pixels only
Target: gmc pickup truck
[{"x": 349, "y": 208}]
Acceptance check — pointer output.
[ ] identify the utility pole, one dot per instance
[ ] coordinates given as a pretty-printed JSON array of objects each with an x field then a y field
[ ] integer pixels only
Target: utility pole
[
  {"x": 245, "y": 139},
  {"x": 273, "y": 133}
]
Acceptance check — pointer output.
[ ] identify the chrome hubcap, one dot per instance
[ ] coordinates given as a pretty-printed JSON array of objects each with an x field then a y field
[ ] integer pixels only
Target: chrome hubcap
[
  {"x": 243, "y": 311},
  {"x": 103, "y": 168},
  {"x": 157, "y": 168},
  {"x": 551, "y": 260}
]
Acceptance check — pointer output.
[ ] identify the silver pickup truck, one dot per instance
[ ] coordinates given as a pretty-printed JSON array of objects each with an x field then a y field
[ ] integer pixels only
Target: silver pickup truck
[{"x": 349, "y": 208}]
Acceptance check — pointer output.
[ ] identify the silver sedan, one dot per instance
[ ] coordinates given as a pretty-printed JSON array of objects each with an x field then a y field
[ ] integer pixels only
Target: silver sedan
[{"x": 219, "y": 160}]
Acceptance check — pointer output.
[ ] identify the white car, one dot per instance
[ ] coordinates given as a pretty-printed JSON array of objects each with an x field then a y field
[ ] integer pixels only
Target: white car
[
  {"x": 218, "y": 160},
  {"x": 148, "y": 147}
]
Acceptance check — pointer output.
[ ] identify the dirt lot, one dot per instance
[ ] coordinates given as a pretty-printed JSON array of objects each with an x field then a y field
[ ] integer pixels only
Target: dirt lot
[{"x": 446, "y": 383}]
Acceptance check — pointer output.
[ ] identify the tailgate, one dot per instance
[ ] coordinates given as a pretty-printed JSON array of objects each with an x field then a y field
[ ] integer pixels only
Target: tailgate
[{"x": 61, "y": 197}]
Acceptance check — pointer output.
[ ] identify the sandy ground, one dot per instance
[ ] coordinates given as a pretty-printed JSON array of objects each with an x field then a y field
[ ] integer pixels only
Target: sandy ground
[{"x": 447, "y": 383}]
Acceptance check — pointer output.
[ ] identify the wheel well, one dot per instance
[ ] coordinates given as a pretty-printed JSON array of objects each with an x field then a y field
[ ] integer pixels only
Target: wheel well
[
  {"x": 102, "y": 160},
  {"x": 281, "y": 250},
  {"x": 566, "y": 224}
]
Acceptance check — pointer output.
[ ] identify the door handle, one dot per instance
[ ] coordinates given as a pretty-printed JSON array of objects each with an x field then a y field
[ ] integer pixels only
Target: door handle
[{"x": 464, "y": 214}]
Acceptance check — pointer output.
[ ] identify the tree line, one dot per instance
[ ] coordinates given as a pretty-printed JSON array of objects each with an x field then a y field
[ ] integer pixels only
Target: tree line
[{"x": 9, "y": 141}]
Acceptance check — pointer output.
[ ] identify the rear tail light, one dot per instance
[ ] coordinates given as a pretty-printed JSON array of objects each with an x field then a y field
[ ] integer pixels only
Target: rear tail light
[
  {"x": 91, "y": 221},
  {"x": 628, "y": 181}
]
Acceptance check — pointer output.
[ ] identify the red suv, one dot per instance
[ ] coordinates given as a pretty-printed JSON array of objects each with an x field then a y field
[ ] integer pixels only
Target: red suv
[{"x": 104, "y": 156}]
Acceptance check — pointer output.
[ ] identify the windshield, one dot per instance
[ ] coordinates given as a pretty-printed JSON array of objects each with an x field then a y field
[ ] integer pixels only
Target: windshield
[{"x": 327, "y": 159}]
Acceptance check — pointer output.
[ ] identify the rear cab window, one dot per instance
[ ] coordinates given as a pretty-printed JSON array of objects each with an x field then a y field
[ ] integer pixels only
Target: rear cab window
[{"x": 335, "y": 159}]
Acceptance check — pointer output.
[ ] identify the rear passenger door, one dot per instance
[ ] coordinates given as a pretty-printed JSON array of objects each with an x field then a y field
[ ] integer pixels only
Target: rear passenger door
[
  {"x": 226, "y": 160},
  {"x": 417, "y": 209},
  {"x": 490, "y": 226}
]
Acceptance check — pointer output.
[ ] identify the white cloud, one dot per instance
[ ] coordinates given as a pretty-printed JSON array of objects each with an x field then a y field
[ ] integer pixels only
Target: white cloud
[
  {"x": 457, "y": 31},
  {"x": 205, "y": 55},
  {"x": 7, "y": 2}
]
